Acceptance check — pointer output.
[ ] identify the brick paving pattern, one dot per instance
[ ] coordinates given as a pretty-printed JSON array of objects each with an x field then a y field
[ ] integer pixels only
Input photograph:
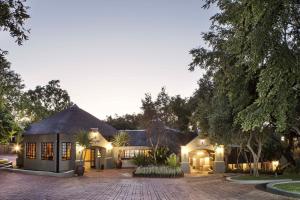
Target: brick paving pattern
[{"x": 117, "y": 185}]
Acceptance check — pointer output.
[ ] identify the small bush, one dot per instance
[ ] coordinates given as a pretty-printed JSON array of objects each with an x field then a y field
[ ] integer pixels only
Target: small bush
[
  {"x": 172, "y": 160},
  {"x": 142, "y": 160},
  {"x": 162, "y": 153},
  {"x": 158, "y": 171}
]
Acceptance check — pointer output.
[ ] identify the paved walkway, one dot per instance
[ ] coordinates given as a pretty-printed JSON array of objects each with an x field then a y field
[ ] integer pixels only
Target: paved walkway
[{"x": 29, "y": 187}]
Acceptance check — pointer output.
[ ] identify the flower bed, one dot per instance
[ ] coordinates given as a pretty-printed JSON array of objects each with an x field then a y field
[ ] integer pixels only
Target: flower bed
[{"x": 158, "y": 171}]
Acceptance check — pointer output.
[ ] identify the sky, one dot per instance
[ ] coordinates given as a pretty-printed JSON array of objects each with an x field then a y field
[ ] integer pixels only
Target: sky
[{"x": 108, "y": 54}]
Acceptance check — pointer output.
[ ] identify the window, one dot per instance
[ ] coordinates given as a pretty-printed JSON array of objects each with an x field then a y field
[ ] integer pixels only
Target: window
[
  {"x": 66, "y": 151},
  {"x": 47, "y": 151},
  {"x": 31, "y": 150},
  {"x": 128, "y": 154}
]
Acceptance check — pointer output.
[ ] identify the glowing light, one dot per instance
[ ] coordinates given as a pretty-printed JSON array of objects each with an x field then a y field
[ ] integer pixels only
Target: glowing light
[
  {"x": 79, "y": 148},
  {"x": 93, "y": 134},
  {"x": 202, "y": 141},
  {"x": 220, "y": 150},
  {"x": 275, "y": 164},
  {"x": 206, "y": 160},
  {"x": 17, "y": 148},
  {"x": 282, "y": 138},
  {"x": 109, "y": 146},
  {"x": 184, "y": 149},
  {"x": 200, "y": 153}
]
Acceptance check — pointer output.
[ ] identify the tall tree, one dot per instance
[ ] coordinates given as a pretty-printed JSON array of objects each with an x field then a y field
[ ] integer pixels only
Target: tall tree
[
  {"x": 254, "y": 58},
  {"x": 125, "y": 122},
  {"x": 46, "y": 100}
]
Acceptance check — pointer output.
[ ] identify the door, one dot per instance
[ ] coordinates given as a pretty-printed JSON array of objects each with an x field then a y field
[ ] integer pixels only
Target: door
[{"x": 92, "y": 159}]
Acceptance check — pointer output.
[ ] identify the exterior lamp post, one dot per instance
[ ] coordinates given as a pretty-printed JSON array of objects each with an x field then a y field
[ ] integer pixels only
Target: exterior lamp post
[
  {"x": 184, "y": 159},
  {"x": 219, "y": 164}
]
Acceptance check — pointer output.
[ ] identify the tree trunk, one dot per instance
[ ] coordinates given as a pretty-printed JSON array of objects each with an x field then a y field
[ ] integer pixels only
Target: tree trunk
[
  {"x": 255, "y": 155},
  {"x": 239, "y": 151}
]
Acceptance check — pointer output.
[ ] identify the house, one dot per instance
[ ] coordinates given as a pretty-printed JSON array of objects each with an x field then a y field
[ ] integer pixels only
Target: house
[{"x": 50, "y": 145}]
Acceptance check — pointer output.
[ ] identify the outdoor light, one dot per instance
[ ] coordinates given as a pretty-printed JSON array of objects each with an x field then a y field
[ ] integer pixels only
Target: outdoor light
[
  {"x": 184, "y": 149},
  {"x": 220, "y": 149},
  {"x": 109, "y": 146},
  {"x": 79, "y": 147},
  {"x": 17, "y": 148},
  {"x": 275, "y": 164},
  {"x": 282, "y": 138},
  {"x": 202, "y": 141}
]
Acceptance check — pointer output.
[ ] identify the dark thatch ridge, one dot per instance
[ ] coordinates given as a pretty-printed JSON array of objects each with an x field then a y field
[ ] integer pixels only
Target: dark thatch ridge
[{"x": 70, "y": 121}]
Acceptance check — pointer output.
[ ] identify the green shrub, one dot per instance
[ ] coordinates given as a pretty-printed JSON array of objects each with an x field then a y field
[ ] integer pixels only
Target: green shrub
[
  {"x": 158, "y": 171},
  {"x": 162, "y": 153},
  {"x": 142, "y": 160},
  {"x": 172, "y": 160}
]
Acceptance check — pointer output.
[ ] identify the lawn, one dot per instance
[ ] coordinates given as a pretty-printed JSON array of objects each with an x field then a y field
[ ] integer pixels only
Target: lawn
[
  {"x": 266, "y": 177},
  {"x": 291, "y": 187}
]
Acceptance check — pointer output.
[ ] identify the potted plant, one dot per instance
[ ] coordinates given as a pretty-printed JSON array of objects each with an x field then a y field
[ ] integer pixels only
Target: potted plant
[
  {"x": 120, "y": 140},
  {"x": 82, "y": 139}
]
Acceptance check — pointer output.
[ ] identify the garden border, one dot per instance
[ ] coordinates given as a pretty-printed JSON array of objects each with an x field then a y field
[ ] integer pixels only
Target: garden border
[
  {"x": 270, "y": 188},
  {"x": 255, "y": 182}
]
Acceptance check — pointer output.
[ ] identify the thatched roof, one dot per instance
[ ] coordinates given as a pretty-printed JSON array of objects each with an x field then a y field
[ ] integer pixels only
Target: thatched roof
[
  {"x": 70, "y": 121},
  {"x": 172, "y": 138}
]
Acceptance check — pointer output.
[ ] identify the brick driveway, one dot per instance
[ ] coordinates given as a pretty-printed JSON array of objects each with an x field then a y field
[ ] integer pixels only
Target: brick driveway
[{"x": 31, "y": 187}]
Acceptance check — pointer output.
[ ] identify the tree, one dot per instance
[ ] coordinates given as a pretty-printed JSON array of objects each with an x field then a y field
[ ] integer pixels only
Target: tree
[
  {"x": 125, "y": 122},
  {"x": 254, "y": 59},
  {"x": 121, "y": 139},
  {"x": 83, "y": 139},
  {"x": 156, "y": 135},
  {"x": 46, "y": 100},
  {"x": 7, "y": 124},
  {"x": 172, "y": 111}
]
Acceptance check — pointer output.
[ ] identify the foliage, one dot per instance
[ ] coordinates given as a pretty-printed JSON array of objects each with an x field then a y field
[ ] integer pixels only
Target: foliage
[
  {"x": 46, "y": 100},
  {"x": 160, "y": 155},
  {"x": 158, "y": 171},
  {"x": 125, "y": 122},
  {"x": 83, "y": 138},
  {"x": 13, "y": 14},
  {"x": 142, "y": 160},
  {"x": 172, "y": 160},
  {"x": 172, "y": 111},
  {"x": 8, "y": 126},
  {"x": 253, "y": 62},
  {"x": 293, "y": 170},
  {"x": 121, "y": 139}
]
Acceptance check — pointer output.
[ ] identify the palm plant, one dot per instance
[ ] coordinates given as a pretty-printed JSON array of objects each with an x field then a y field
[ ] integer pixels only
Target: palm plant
[
  {"x": 84, "y": 140},
  {"x": 121, "y": 139}
]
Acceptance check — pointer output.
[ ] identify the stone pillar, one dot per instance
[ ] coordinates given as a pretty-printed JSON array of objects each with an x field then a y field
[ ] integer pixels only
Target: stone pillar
[
  {"x": 185, "y": 166},
  {"x": 219, "y": 164},
  {"x": 98, "y": 158}
]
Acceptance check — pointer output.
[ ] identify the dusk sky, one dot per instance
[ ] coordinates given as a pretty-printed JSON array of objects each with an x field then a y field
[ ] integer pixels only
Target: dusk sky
[{"x": 108, "y": 54}]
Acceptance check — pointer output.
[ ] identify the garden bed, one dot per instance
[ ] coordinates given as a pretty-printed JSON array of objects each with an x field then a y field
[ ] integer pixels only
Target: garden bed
[
  {"x": 266, "y": 177},
  {"x": 158, "y": 172},
  {"x": 290, "y": 189}
]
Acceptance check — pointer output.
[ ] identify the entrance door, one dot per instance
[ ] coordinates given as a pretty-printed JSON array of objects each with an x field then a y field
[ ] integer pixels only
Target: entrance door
[{"x": 92, "y": 159}]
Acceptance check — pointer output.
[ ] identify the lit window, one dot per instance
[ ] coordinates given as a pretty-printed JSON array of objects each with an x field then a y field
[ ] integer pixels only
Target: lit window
[
  {"x": 31, "y": 150},
  {"x": 128, "y": 154},
  {"x": 66, "y": 151},
  {"x": 47, "y": 151}
]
